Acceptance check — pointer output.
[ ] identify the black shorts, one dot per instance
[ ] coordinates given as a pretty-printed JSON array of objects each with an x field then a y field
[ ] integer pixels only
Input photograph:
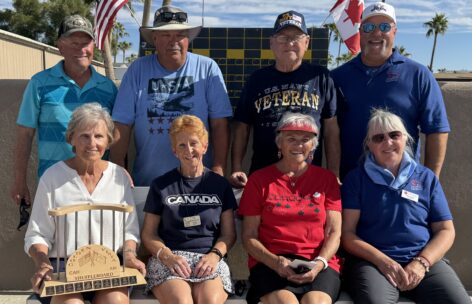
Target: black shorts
[{"x": 263, "y": 280}]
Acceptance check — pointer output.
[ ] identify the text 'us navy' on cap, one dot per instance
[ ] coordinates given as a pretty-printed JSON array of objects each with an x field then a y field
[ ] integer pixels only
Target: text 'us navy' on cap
[{"x": 290, "y": 18}]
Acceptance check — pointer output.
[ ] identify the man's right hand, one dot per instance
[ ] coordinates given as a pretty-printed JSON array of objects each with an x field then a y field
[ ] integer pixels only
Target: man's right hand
[
  {"x": 238, "y": 179},
  {"x": 19, "y": 191}
]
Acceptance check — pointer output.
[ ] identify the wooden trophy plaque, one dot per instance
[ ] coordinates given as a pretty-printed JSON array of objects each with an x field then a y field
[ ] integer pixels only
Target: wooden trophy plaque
[{"x": 91, "y": 267}]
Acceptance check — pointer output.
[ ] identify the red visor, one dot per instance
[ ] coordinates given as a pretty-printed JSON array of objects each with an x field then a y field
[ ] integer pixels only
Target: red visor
[{"x": 294, "y": 127}]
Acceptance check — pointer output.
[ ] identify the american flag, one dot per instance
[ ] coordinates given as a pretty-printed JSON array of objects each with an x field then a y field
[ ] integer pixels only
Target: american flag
[{"x": 104, "y": 16}]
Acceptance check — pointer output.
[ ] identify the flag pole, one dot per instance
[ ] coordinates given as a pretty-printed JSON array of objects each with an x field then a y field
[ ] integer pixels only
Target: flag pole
[{"x": 203, "y": 12}]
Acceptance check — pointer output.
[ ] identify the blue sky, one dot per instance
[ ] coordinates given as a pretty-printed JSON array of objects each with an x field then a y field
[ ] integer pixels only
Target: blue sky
[{"x": 451, "y": 50}]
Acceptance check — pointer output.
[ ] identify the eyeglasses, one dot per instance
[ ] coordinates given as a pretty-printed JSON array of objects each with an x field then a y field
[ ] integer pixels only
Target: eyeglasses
[
  {"x": 168, "y": 16},
  {"x": 370, "y": 27},
  {"x": 24, "y": 214},
  {"x": 287, "y": 39},
  {"x": 378, "y": 138}
]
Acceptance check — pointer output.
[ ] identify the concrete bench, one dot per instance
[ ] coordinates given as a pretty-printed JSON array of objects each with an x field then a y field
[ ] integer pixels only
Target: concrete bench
[{"x": 137, "y": 297}]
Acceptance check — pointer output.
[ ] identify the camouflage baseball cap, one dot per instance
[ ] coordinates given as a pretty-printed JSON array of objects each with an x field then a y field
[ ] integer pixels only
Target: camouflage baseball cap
[{"x": 73, "y": 24}]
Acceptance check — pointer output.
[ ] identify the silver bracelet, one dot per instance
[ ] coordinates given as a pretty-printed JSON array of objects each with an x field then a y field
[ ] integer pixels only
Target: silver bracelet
[{"x": 323, "y": 260}]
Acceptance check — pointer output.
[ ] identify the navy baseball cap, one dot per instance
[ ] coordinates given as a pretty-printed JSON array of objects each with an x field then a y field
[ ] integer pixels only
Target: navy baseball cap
[{"x": 290, "y": 18}]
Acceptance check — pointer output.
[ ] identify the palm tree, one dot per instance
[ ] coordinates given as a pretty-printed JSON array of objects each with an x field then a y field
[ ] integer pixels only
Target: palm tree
[
  {"x": 124, "y": 46},
  {"x": 402, "y": 50},
  {"x": 118, "y": 32},
  {"x": 437, "y": 25},
  {"x": 337, "y": 37},
  {"x": 131, "y": 58},
  {"x": 345, "y": 57}
]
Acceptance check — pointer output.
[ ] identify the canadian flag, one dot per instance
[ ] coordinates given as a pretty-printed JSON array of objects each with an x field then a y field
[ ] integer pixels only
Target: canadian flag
[{"x": 347, "y": 17}]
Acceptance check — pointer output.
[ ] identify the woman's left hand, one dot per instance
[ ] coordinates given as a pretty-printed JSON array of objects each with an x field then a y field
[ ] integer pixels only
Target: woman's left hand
[
  {"x": 306, "y": 277},
  {"x": 132, "y": 261},
  {"x": 416, "y": 273},
  {"x": 207, "y": 265}
]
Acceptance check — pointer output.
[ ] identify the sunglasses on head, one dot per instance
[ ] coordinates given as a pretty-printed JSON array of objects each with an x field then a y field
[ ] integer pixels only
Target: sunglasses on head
[
  {"x": 24, "y": 214},
  {"x": 378, "y": 138},
  {"x": 168, "y": 16},
  {"x": 384, "y": 27}
]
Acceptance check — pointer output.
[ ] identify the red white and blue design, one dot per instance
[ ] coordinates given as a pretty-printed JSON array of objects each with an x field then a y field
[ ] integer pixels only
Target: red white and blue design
[{"x": 104, "y": 16}]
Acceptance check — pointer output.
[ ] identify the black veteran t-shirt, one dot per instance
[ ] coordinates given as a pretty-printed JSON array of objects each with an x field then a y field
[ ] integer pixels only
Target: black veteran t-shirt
[
  {"x": 189, "y": 209},
  {"x": 269, "y": 93}
]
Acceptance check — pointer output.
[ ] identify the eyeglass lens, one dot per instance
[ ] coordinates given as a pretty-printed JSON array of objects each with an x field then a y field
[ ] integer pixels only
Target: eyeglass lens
[
  {"x": 288, "y": 39},
  {"x": 378, "y": 138},
  {"x": 370, "y": 27}
]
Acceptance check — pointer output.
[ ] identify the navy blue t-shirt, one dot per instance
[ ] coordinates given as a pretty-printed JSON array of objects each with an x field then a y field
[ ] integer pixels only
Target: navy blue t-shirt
[
  {"x": 174, "y": 197},
  {"x": 269, "y": 93}
]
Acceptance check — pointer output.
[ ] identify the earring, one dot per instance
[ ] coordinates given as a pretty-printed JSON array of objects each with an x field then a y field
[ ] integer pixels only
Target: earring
[
  {"x": 279, "y": 154},
  {"x": 310, "y": 157}
]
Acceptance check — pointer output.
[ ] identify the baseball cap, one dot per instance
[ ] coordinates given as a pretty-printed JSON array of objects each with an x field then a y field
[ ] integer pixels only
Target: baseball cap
[
  {"x": 379, "y": 9},
  {"x": 290, "y": 18},
  {"x": 73, "y": 24},
  {"x": 169, "y": 18}
]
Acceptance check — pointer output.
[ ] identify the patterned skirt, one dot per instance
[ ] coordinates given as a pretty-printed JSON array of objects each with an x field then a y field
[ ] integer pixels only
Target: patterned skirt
[{"x": 157, "y": 272}]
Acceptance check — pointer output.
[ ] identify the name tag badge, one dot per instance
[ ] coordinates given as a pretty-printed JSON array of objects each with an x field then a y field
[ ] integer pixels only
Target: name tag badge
[
  {"x": 191, "y": 221},
  {"x": 410, "y": 196}
]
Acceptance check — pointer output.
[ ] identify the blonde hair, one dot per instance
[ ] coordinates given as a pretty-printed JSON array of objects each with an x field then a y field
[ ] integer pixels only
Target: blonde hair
[
  {"x": 88, "y": 115},
  {"x": 381, "y": 120},
  {"x": 190, "y": 124}
]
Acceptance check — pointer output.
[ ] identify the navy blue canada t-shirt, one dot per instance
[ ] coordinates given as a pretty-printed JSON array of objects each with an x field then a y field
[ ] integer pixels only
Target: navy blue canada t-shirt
[{"x": 174, "y": 197}]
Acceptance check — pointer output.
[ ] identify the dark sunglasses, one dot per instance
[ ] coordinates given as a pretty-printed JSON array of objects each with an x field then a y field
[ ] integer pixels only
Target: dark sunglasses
[
  {"x": 370, "y": 27},
  {"x": 168, "y": 17},
  {"x": 378, "y": 138},
  {"x": 24, "y": 214}
]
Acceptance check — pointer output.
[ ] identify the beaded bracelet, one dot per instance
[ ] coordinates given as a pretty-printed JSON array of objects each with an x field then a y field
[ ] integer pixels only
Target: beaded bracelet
[{"x": 421, "y": 260}]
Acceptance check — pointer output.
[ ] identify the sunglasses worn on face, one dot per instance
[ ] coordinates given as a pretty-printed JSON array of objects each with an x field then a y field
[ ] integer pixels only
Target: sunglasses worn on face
[
  {"x": 168, "y": 16},
  {"x": 378, "y": 138},
  {"x": 24, "y": 214},
  {"x": 370, "y": 27}
]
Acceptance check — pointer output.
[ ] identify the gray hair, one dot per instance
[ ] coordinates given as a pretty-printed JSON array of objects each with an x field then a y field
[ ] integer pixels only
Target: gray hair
[
  {"x": 88, "y": 115},
  {"x": 300, "y": 120},
  {"x": 384, "y": 121}
]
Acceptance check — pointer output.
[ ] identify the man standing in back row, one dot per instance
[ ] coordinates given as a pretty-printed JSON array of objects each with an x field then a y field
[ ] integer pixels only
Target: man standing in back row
[
  {"x": 50, "y": 98},
  {"x": 290, "y": 85},
  {"x": 160, "y": 87},
  {"x": 382, "y": 78}
]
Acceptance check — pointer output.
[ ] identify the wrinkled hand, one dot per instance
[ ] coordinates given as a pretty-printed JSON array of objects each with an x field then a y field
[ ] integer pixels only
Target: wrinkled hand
[
  {"x": 283, "y": 269},
  {"x": 394, "y": 273},
  {"x": 306, "y": 277},
  {"x": 207, "y": 265},
  {"x": 134, "y": 262},
  {"x": 238, "y": 179},
  {"x": 178, "y": 266},
  {"x": 19, "y": 191},
  {"x": 416, "y": 273},
  {"x": 43, "y": 273}
]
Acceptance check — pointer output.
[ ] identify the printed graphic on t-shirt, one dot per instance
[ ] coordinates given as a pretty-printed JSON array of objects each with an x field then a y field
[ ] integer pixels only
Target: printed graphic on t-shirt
[
  {"x": 193, "y": 199},
  {"x": 167, "y": 100},
  {"x": 273, "y": 102},
  {"x": 294, "y": 204}
]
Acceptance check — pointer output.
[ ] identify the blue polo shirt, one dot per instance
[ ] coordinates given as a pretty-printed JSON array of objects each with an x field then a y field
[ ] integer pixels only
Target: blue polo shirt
[
  {"x": 401, "y": 85},
  {"x": 397, "y": 226},
  {"x": 48, "y": 102}
]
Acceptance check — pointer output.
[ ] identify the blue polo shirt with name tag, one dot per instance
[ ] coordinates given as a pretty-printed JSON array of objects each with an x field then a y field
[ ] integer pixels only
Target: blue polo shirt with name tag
[{"x": 398, "y": 225}]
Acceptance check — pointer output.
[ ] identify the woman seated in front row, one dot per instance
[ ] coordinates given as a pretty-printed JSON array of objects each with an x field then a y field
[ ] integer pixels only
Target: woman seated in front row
[
  {"x": 292, "y": 210},
  {"x": 397, "y": 226},
  {"x": 83, "y": 178},
  {"x": 189, "y": 224}
]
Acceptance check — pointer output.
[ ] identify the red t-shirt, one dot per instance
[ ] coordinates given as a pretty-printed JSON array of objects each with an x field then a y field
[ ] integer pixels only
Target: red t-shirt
[{"x": 292, "y": 210}]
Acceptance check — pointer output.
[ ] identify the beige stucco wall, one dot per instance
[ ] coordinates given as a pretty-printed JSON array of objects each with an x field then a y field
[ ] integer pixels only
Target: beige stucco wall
[{"x": 456, "y": 179}]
